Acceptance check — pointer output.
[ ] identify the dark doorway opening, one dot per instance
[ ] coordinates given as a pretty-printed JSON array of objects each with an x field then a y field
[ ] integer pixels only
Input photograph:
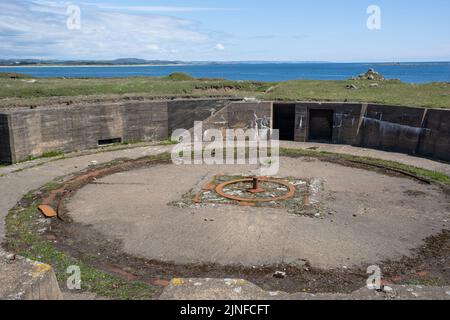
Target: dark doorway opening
[
  {"x": 321, "y": 125},
  {"x": 106, "y": 142},
  {"x": 284, "y": 120}
]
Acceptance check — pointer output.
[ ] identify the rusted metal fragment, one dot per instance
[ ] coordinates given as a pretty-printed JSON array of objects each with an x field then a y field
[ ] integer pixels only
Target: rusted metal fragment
[
  {"x": 247, "y": 204},
  {"x": 120, "y": 272},
  {"x": 161, "y": 283},
  {"x": 209, "y": 187},
  {"x": 54, "y": 195},
  {"x": 197, "y": 198},
  {"x": 47, "y": 211}
]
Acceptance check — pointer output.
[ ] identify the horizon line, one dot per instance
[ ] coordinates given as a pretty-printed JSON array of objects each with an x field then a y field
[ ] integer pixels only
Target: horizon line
[{"x": 221, "y": 61}]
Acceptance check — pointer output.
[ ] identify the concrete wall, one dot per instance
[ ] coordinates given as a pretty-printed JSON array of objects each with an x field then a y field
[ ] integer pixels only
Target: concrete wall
[
  {"x": 183, "y": 113},
  {"x": 415, "y": 131},
  {"x": 435, "y": 139},
  {"x": 245, "y": 114},
  {"x": 345, "y": 126},
  {"x": 392, "y": 128},
  {"x": 70, "y": 128},
  {"x": 41, "y": 130},
  {"x": 25, "y": 132}
]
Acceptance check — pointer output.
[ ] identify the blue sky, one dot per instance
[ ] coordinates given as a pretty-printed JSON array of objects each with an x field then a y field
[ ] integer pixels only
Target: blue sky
[{"x": 283, "y": 30}]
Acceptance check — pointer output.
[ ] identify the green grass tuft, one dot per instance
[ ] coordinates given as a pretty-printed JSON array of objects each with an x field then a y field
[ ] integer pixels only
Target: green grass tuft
[
  {"x": 48, "y": 154},
  {"x": 13, "y": 75},
  {"x": 168, "y": 142},
  {"x": 180, "y": 76}
]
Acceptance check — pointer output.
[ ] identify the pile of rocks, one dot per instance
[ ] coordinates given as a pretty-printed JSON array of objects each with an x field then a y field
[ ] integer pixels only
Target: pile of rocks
[{"x": 371, "y": 75}]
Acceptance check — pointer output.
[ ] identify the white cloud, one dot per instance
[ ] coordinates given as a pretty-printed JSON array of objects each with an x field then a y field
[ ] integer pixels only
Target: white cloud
[
  {"x": 156, "y": 8},
  {"x": 38, "y": 29},
  {"x": 220, "y": 47}
]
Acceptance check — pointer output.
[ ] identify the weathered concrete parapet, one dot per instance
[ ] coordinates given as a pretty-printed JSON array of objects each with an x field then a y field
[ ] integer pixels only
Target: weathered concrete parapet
[
  {"x": 23, "y": 279},
  {"x": 416, "y": 131},
  {"x": 435, "y": 140},
  {"x": 32, "y": 132},
  {"x": 236, "y": 289},
  {"x": 28, "y": 132},
  {"x": 183, "y": 113},
  {"x": 246, "y": 114},
  {"x": 409, "y": 130}
]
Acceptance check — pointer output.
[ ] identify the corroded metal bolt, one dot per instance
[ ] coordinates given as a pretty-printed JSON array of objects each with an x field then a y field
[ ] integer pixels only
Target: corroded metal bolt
[
  {"x": 256, "y": 188},
  {"x": 255, "y": 183}
]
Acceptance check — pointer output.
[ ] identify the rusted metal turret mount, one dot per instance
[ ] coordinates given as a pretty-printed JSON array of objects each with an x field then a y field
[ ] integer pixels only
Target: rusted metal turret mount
[{"x": 256, "y": 189}]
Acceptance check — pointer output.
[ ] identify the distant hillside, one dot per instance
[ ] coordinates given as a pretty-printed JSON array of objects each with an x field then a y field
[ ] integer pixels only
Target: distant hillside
[
  {"x": 127, "y": 61},
  {"x": 123, "y": 61}
]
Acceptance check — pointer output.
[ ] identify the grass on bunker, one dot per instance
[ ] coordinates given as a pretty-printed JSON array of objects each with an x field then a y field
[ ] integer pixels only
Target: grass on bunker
[
  {"x": 390, "y": 92},
  {"x": 21, "y": 92}
]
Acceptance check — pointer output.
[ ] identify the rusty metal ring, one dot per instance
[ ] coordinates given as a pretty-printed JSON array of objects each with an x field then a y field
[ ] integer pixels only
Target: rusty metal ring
[{"x": 289, "y": 194}]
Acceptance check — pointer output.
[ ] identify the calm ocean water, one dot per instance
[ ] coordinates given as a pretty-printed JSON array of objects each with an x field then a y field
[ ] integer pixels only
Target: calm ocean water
[{"x": 407, "y": 72}]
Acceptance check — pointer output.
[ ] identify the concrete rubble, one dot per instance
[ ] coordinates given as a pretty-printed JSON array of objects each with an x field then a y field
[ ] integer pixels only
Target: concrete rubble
[
  {"x": 237, "y": 289},
  {"x": 23, "y": 279}
]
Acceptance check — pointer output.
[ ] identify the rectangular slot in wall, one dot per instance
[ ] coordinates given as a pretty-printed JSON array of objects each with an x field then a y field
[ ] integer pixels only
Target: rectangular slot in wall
[{"x": 106, "y": 142}]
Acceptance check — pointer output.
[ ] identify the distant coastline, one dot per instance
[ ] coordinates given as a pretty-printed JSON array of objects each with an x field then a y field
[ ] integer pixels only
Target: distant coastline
[
  {"x": 131, "y": 62},
  {"x": 91, "y": 65},
  {"x": 85, "y": 63}
]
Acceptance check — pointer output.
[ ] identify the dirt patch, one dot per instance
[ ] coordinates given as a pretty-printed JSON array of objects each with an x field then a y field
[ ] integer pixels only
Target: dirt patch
[
  {"x": 416, "y": 193},
  {"x": 429, "y": 266}
]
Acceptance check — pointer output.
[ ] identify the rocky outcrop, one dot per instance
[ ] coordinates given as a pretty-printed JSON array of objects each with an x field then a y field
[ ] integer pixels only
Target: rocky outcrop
[{"x": 370, "y": 75}]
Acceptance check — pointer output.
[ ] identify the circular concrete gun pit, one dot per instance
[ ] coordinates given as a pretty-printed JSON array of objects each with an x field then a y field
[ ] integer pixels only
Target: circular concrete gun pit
[{"x": 337, "y": 217}]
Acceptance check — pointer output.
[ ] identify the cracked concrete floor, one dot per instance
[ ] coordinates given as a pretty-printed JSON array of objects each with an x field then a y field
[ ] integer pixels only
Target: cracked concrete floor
[{"x": 369, "y": 217}]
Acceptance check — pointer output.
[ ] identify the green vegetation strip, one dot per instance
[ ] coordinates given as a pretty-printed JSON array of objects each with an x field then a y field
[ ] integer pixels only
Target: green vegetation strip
[
  {"x": 424, "y": 174},
  {"x": 58, "y": 154},
  {"x": 20, "y": 91},
  {"x": 46, "y": 155}
]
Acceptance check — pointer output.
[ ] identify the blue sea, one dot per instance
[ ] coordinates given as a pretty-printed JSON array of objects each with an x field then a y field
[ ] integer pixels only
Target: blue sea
[{"x": 407, "y": 72}]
